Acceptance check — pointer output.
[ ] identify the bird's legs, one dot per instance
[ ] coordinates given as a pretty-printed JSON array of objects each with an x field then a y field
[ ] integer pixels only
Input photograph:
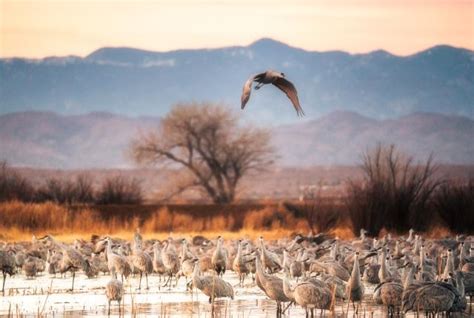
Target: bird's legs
[
  {"x": 108, "y": 313},
  {"x": 73, "y": 276},
  {"x": 146, "y": 278},
  {"x": 140, "y": 281},
  {"x": 3, "y": 285},
  {"x": 286, "y": 308},
  {"x": 260, "y": 84}
]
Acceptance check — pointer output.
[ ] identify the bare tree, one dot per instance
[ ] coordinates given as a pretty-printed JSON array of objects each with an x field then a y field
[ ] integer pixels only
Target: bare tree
[
  {"x": 207, "y": 140},
  {"x": 13, "y": 186}
]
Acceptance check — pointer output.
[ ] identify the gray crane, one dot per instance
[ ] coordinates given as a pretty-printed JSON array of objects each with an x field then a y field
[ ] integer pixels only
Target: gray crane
[
  {"x": 239, "y": 265},
  {"x": 389, "y": 293},
  {"x": 7, "y": 266},
  {"x": 212, "y": 286},
  {"x": 308, "y": 295},
  {"x": 272, "y": 286},
  {"x": 355, "y": 289},
  {"x": 116, "y": 263},
  {"x": 170, "y": 261},
  {"x": 114, "y": 292},
  {"x": 141, "y": 261},
  {"x": 277, "y": 79},
  {"x": 219, "y": 257},
  {"x": 72, "y": 260}
]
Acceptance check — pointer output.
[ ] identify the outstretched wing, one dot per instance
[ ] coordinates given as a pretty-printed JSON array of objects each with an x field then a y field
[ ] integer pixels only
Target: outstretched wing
[
  {"x": 246, "y": 92},
  {"x": 289, "y": 89},
  {"x": 248, "y": 89}
]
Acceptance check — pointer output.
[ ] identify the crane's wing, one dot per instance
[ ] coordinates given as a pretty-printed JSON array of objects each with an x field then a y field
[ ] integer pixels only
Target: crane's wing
[
  {"x": 246, "y": 92},
  {"x": 289, "y": 89},
  {"x": 248, "y": 89}
]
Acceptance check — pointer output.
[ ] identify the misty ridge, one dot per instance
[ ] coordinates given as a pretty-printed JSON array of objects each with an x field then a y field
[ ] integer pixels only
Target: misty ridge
[
  {"x": 138, "y": 82},
  {"x": 100, "y": 140}
]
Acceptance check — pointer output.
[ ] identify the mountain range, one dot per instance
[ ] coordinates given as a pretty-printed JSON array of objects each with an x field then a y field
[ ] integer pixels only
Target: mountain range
[
  {"x": 100, "y": 140},
  {"x": 133, "y": 82}
]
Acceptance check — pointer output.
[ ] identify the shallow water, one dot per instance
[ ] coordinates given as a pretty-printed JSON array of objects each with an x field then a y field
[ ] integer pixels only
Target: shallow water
[{"x": 50, "y": 297}]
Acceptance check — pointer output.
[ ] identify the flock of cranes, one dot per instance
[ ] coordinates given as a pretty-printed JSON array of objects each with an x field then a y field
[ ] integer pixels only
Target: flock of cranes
[{"x": 403, "y": 274}]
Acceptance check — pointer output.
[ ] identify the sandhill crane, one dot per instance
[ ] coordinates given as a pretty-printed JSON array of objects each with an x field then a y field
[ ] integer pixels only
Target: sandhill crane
[
  {"x": 72, "y": 259},
  {"x": 449, "y": 268},
  {"x": 29, "y": 267},
  {"x": 114, "y": 292},
  {"x": 205, "y": 263},
  {"x": 431, "y": 297},
  {"x": 308, "y": 295},
  {"x": 468, "y": 281},
  {"x": 270, "y": 260},
  {"x": 141, "y": 260},
  {"x": 334, "y": 282},
  {"x": 170, "y": 261},
  {"x": 460, "y": 302},
  {"x": 219, "y": 258},
  {"x": 212, "y": 286},
  {"x": 239, "y": 265},
  {"x": 186, "y": 270},
  {"x": 389, "y": 294},
  {"x": 272, "y": 286},
  {"x": 116, "y": 263},
  {"x": 370, "y": 274},
  {"x": 7, "y": 266},
  {"x": 185, "y": 251},
  {"x": 297, "y": 267},
  {"x": 355, "y": 289},
  {"x": 331, "y": 267},
  {"x": 277, "y": 79},
  {"x": 158, "y": 266},
  {"x": 90, "y": 269}
]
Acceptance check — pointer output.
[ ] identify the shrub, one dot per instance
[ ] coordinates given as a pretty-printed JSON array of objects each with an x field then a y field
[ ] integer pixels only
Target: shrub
[
  {"x": 13, "y": 186},
  {"x": 79, "y": 190},
  {"x": 454, "y": 203},
  {"x": 119, "y": 190},
  {"x": 394, "y": 193}
]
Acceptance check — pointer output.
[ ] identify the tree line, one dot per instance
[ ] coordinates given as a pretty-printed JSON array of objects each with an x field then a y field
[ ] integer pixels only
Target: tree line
[{"x": 79, "y": 190}]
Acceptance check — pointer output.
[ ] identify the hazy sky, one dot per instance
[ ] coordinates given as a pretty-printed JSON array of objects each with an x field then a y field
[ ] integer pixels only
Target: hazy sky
[{"x": 38, "y": 28}]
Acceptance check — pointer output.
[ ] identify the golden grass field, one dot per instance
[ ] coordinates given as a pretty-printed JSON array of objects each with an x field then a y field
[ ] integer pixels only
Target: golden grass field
[{"x": 22, "y": 220}]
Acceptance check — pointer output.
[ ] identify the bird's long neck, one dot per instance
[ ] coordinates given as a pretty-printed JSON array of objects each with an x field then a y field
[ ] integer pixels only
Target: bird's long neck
[
  {"x": 449, "y": 268},
  {"x": 409, "y": 277},
  {"x": 239, "y": 251},
  {"x": 260, "y": 274},
  {"x": 355, "y": 275},
  {"x": 109, "y": 249},
  {"x": 197, "y": 282}
]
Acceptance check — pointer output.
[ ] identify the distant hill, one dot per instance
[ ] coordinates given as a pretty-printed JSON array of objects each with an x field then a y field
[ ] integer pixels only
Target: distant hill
[
  {"x": 137, "y": 82},
  {"x": 341, "y": 137},
  {"x": 46, "y": 139},
  {"x": 100, "y": 140}
]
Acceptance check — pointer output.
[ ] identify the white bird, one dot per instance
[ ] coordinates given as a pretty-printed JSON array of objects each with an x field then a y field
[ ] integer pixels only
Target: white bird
[{"x": 276, "y": 78}]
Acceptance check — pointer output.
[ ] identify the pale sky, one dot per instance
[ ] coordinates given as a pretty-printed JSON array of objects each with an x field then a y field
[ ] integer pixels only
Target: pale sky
[{"x": 37, "y": 28}]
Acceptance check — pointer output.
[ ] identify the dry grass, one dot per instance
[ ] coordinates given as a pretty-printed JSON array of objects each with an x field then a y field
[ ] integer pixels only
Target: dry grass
[{"x": 19, "y": 221}]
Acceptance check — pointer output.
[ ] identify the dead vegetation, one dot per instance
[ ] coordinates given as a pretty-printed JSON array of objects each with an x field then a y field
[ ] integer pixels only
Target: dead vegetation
[{"x": 80, "y": 189}]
